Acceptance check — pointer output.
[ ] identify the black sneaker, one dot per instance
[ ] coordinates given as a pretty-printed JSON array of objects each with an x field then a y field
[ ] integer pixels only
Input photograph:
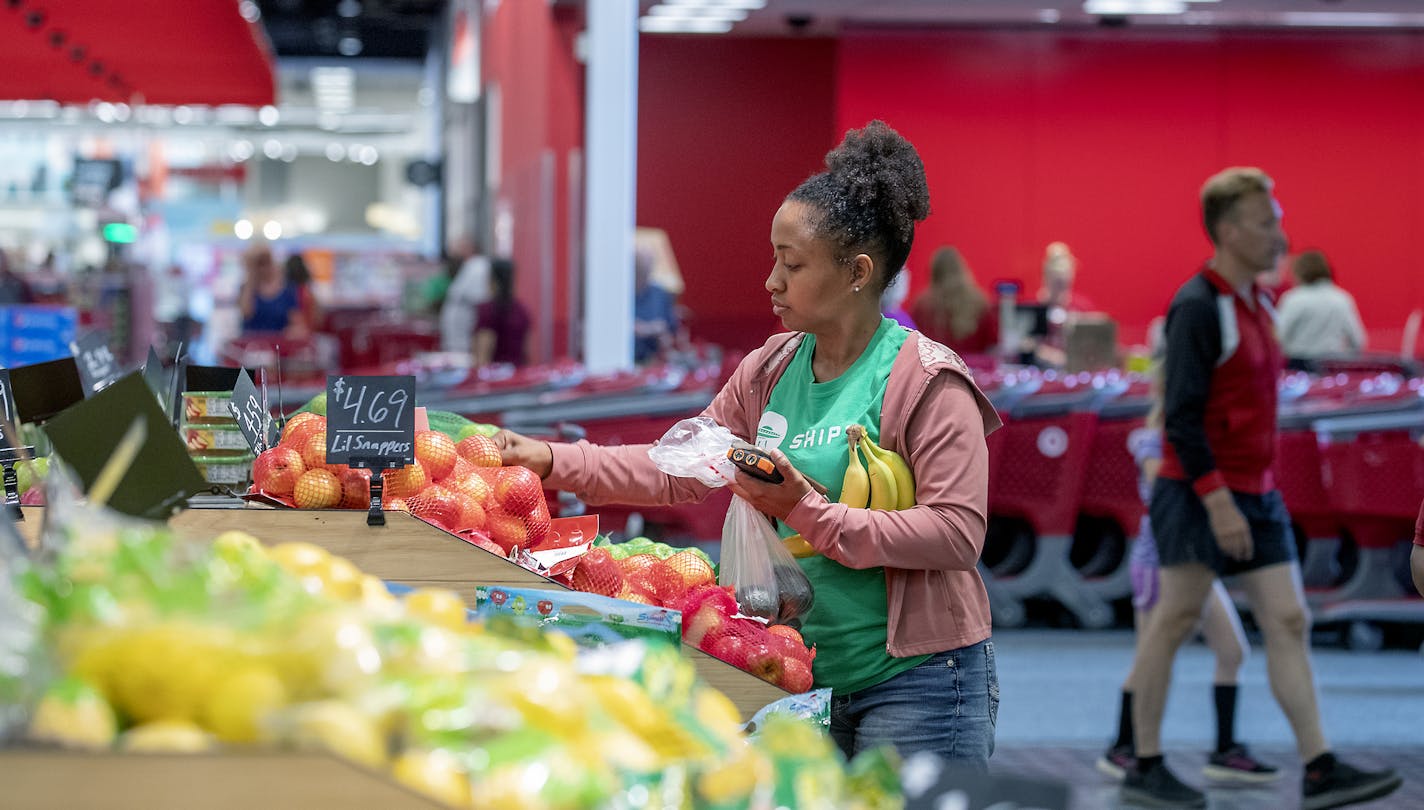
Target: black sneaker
[
  {"x": 1158, "y": 787},
  {"x": 1343, "y": 784},
  {"x": 1236, "y": 764},
  {"x": 1116, "y": 762}
]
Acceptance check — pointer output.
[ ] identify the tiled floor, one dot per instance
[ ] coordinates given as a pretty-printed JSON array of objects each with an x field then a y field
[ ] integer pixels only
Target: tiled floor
[
  {"x": 1092, "y": 790},
  {"x": 1060, "y": 700}
]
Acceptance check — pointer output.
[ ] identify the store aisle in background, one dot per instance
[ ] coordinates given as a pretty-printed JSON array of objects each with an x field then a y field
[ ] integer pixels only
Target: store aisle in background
[{"x": 1059, "y": 694}]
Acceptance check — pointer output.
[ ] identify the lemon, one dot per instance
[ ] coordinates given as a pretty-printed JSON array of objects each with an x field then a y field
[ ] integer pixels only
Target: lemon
[
  {"x": 716, "y": 712},
  {"x": 436, "y": 774},
  {"x": 440, "y": 606},
  {"x": 73, "y": 714},
  {"x": 162, "y": 672},
  {"x": 734, "y": 780},
  {"x": 234, "y": 544},
  {"x": 342, "y": 580},
  {"x": 237, "y": 705},
  {"x": 301, "y": 559},
  {"x": 343, "y": 730},
  {"x": 376, "y": 596},
  {"x": 166, "y": 736}
]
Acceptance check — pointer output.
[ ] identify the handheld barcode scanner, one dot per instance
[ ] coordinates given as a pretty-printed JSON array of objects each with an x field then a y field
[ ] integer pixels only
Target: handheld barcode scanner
[{"x": 755, "y": 462}]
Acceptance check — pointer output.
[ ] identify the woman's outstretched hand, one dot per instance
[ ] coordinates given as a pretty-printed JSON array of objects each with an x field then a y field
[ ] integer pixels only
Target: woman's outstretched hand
[{"x": 524, "y": 451}]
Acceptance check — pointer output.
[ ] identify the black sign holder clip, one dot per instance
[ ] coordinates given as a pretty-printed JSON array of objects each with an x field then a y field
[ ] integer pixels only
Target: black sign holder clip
[
  {"x": 376, "y": 516},
  {"x": 8, "y": 457}
]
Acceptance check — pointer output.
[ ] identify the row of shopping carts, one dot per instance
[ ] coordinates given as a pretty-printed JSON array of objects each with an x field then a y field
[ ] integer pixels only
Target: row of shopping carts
[
  {"x": 1063, "y": 492},
  {"x": 1065, "y": 505}
]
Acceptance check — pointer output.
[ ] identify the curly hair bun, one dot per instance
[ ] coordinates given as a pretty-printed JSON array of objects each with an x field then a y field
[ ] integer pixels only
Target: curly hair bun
[{"x": 880, "y": 170}]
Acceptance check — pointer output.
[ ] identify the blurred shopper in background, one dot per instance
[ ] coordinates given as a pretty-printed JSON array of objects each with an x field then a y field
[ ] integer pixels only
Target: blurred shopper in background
[
  {"x": 892, "y": 301},
  {"x": 503, "y": 321},
  {"x": 1219, "y": 624},
  {"x": 470, "y": 288},
  {"x": 654, "y": 311},
  {"x": 1060, "y": 270},
  {"x": 954, "y": 310},
  {"x": 901, "y": 619},
  {"x": 1317, "y": 318},
  {"x": 1214, "y": 507},
  {"x": 270, "y": 304},
  {"x": 299, "y": 276},
  {"x": 13, "y": 289},
  {"x": 1416, "y": 555}
]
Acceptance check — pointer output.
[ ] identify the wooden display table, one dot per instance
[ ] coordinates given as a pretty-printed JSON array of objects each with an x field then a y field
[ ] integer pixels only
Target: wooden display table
[
  {"x": 412, "y": 552},
  {"x": 36, "y": 779}
]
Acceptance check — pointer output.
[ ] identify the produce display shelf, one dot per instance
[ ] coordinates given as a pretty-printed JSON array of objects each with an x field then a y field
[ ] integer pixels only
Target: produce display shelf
[
  {"x": 410, "y": 551},
  {"x": 42, "y": 779}
]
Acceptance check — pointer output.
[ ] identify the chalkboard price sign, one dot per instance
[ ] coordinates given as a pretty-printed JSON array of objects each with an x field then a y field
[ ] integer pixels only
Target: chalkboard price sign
[
  {"x": 98, "y": 367},
  {"x": 370, "y": 421},
  {"x": 249, "y": 408}
]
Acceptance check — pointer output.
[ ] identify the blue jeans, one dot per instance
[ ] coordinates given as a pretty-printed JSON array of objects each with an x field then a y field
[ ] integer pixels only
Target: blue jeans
[{"x": 948, "y": 705}]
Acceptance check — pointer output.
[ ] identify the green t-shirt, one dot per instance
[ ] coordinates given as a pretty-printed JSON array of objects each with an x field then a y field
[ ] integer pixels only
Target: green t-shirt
[{"x": 807, "y": 420}]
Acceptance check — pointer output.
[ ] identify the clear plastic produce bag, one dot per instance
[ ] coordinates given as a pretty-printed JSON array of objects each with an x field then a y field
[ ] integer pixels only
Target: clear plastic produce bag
[
  {"x": 766, "y": 579},
  {"x": 768, "y": 582}
]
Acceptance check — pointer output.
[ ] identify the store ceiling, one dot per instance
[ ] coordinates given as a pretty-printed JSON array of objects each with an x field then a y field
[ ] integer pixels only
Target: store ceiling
[
  {"x": 381, "y": 29},
  {"x": 76, "y": 51}
]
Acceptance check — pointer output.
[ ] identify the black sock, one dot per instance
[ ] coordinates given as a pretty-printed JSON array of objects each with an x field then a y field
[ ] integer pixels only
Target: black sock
[
  {"x": 1322, "y": 765},
  {"x": 1145, "y": 764},
  {"x": 1124, "y": 722},
  {"x": 1225, "y": 695}
]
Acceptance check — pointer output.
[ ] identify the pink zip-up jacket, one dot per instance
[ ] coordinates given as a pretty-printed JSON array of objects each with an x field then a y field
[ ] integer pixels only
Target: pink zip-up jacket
[{"x": 933, "y": 415}]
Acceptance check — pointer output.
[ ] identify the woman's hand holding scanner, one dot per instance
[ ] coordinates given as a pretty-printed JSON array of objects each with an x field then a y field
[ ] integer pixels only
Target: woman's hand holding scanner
[{"x": 776, "y": 500}]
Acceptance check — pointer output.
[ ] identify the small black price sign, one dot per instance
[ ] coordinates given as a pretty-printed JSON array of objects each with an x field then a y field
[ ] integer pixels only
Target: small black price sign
[
  {"x": 249, "y": 408},
  {"x": 370, "y": 421},
  {"x": 98, "y": 367},
  {"x": 8, "y": 421}
]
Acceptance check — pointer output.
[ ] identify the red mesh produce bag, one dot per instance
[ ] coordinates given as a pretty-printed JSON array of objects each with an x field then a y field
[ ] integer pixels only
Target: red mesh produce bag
[
  {"x": 597, "y": 572},
  {"x": 657, "y": 580},
  {"x": 437, "y": 505},
  {"x": 694, "y": 570}
]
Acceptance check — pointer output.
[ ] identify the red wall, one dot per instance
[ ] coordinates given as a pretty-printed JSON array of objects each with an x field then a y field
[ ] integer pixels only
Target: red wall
[
  {"x": 1102, "y": 139},
  {"x": 726, "y": 129},
  {"x": 1098, "y": 138},
  {"x": 530, "y": 55}
]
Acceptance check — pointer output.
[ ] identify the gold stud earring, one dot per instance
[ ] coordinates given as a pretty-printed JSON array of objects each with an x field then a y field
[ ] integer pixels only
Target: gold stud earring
[{"x": 857, "y": 289}]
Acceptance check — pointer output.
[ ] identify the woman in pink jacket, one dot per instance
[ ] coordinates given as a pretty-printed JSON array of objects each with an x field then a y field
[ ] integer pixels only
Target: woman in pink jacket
[{"x": 901, "y": 618}]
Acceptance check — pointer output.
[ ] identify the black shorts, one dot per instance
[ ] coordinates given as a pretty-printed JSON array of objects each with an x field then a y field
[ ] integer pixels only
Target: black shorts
[{"x": 1183, "y": 532}]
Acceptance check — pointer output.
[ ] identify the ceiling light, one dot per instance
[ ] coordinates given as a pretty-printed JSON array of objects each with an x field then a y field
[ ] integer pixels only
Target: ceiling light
[
  {"x": 272, "y": 229},
  {"x": 1135, "y": 6},
  {"x": 249, "y": 11},
  {"x": 1350, "y": 19},
  {"x": 349, "y": 46},
  {"x": 749, "y": 5},
  {"x": 679, "y": 25},
  {"x": 242, "y": 229},
  {"x": 269, "y": 116},
  {"x": 698, "y": 13}
]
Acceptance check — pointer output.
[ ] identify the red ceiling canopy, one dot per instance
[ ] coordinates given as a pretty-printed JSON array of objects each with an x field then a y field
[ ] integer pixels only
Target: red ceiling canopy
[{"x": 134, "y": 51}]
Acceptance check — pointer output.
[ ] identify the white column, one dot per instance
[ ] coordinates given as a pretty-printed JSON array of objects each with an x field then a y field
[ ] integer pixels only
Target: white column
[{"x": 611, "y": 139}]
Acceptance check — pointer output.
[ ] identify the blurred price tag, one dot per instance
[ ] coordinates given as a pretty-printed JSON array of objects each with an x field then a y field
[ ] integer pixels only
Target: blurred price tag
[
  {"x": 8, "y": 422},
  {"x": 98, "y": 367},
  {"x": 370, "y": 421},
  {"x": 253, "y": 417}
]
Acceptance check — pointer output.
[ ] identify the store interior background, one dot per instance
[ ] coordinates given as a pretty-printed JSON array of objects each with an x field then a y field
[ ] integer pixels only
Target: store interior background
[{"x": 1034, "y": 127}]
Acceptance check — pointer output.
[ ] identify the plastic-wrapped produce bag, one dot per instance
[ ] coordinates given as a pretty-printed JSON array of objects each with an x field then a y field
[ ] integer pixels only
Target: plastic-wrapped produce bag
[{"x": 767, "y": 581}]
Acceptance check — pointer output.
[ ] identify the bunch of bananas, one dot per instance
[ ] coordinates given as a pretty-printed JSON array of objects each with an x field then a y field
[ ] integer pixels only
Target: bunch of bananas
[{"x": 883, "y": 481}]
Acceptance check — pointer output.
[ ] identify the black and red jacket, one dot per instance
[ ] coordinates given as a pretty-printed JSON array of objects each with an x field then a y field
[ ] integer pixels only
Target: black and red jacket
[{"x": 1223, "y": 361}]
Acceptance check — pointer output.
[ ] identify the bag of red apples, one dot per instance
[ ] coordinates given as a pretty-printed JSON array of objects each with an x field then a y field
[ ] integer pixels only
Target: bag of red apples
[
  {"x": 460, "y": 487},
  {"x": 711, "y": 619}
]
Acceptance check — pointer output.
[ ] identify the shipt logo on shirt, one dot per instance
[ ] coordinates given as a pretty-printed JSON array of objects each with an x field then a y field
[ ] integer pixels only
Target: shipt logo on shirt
[
  {"x": 771, "y": 434},
  {"x": 771, "y": 430}
]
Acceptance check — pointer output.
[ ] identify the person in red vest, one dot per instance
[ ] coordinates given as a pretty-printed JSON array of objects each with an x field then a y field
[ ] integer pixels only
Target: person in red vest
[
  {"x": 1416, "y": 556},
  {"x": 1215, "y": 509}
]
